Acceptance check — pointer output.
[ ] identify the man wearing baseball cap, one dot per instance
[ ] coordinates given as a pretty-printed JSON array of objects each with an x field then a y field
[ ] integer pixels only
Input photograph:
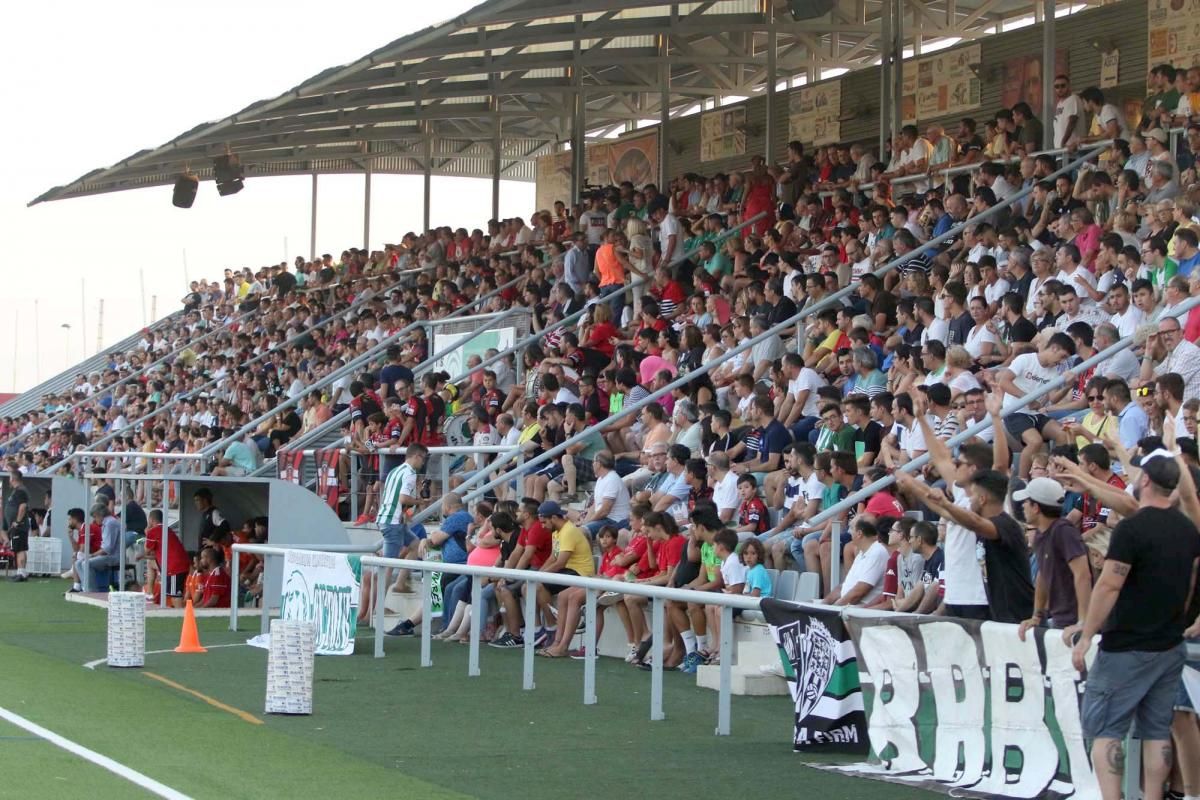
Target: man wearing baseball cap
[
  {"x": 1140, "y": 605},
  {"x": 1064, "y": 579}
]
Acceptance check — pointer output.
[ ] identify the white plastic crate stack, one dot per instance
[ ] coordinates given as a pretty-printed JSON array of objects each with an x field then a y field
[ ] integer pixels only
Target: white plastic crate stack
[
  {"x": 126, "y": 629},
  {"x": 290, "y": 667},
  {"x": 45, "y": 556}
]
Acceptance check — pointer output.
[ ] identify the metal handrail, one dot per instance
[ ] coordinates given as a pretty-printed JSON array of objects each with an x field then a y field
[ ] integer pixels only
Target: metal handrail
[
  {"x": 973, "y": 430},
  {"x": 350, "y": 368},
  {"x": 128, "y": 378},
  {"x": 687, "y": 378},
  {"x": 963, "y": 169},
  {"x": 174, "y": 401},
  {"x": 571, "y": 319}
]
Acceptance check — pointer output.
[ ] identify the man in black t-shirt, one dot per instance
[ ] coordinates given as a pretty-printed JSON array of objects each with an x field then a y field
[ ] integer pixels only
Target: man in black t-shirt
[
  {"x": 868, "y": 438},
  {"x": 1140, "y": 604},
  {"x": 16, "y": 522},
  {"x": 1006, "y": 555}
]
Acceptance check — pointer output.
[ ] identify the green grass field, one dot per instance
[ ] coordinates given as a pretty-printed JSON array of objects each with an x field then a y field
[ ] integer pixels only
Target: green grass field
[{"x": 379, "y": 726}]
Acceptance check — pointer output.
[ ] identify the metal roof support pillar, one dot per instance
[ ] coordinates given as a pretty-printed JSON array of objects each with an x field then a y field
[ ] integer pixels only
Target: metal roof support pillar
[
  {"x": 664, "y": 108},
  {"x": 897, "y": 68},
  {"x": 312, "y": 222},
  {"x": 367, "y": 207},
  {"x": 885, "y": 77},
  {"x": 497, "y": 152},
  {"x": 578, "y": 116},
  {"x": 771, "y": 145},
  {"x": 1049, "y": 68},
  {"x": 427, "y": 164}
]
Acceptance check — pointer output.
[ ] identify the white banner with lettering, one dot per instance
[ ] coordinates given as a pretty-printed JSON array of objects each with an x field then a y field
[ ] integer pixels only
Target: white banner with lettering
[
  {"x": 323, "y": 588},
  {"x": 969, "y": 709}
]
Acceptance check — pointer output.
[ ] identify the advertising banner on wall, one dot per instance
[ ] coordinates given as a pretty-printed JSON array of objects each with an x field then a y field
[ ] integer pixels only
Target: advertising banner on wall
[
  {"x": 943, "y": 84},
  {"x": 969, "y": 709},
  {"x": 822, "y": 674},
  {"x": 1023, "y": 79},
  {"x": 553, "y": 180},
  {"x": 814, "y": 113},
  {"x": 1173, "y": 28},
  {"x": 723, "y": 133},
  {"x": 633, "y": 159}
]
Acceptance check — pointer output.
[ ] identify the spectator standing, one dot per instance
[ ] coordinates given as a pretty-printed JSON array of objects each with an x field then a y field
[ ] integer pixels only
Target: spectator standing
[
  {"x": 1064, "y": 580},
  {"x": 16, "y": 523},
  {"x": 1140, "y": 605}
]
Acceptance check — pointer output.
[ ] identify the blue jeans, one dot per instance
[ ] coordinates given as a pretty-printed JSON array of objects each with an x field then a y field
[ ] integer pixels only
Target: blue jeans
[
  {"x": 396, "y": 538},
  {"x": 458, "y": 590},
  {"x": 593, "y": 527},
  {"x": 802, "y": 428},
  {"x": 615, "y": 292},
  {"x": 97, "y": 567},
  {"x": 796, "y": 547}
]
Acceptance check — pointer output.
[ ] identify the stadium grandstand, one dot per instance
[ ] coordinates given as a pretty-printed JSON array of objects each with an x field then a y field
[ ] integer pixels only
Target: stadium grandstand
[{"x": 851, "y": 353}]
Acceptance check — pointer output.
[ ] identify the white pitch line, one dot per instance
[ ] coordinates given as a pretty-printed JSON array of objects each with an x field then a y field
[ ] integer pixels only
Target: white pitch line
[
  {"x": 99, "y": 661},
  {"x": 131, "y": 775}
]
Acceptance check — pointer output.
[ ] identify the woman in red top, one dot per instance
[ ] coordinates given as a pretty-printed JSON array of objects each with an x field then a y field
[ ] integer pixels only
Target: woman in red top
[
  {"x": 760, "y": 196},
  {"x": 602, "y": 332}
]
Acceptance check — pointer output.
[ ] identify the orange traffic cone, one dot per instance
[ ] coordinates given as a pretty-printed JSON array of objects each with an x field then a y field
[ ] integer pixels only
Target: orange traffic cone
[{"x": 189, "y": 637}]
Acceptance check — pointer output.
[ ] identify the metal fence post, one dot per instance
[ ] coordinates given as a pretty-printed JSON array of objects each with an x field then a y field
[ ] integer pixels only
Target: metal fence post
[
  {"x": 723, "y": 694},
  {"x": 265, "y": 615},
  {"x": 381, "y": 575},
  {"x": 234, "y": 594},
  {"x": 476, "y": 624},
  {"x": 656, "y": 669},
  {"x": 589, "y": 648},
  {"x": 835, "y": 556},
  {"x": 166, "y": 526},
  {"x": 353, "y": 483},
  {"x": 530, "y": 613},
  {"x": 426, "y": 616}
]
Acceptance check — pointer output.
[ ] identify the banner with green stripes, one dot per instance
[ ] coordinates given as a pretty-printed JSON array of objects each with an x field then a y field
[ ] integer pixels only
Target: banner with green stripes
[{"x": 822, "y": 673}]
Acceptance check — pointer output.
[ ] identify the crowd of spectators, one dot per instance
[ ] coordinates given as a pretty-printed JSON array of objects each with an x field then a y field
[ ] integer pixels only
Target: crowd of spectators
[{"x": 1040, "y": 519}]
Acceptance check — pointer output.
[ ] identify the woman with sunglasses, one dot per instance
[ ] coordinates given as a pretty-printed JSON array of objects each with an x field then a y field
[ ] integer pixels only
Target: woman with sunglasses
[{"x": 1097, "y": 421}]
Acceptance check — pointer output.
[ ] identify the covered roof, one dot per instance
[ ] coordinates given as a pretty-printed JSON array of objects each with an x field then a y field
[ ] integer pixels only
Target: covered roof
[{"x": 516, "y": 64}]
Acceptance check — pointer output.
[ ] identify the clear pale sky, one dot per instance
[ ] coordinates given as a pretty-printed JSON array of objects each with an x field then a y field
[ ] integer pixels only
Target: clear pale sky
[{"x": 88, "y": 84}]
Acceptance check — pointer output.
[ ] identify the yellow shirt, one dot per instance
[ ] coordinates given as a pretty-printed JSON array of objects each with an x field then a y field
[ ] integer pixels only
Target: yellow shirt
[
  {"x": 1102, "y": 426},
  {"x": 574, "y": 541}
]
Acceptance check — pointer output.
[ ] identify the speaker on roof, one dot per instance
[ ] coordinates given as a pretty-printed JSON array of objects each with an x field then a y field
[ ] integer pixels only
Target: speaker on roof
[
  {"x": 227, "y": 169},
  {"x": 185, "y": 190},
  {"x": 809, "y": 9}
]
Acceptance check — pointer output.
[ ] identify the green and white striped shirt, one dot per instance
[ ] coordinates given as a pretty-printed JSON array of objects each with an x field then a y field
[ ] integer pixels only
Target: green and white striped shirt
[{"x": 400, "y": 481}]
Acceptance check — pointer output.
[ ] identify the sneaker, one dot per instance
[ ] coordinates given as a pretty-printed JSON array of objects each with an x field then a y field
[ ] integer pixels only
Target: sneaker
[
  {"x": 542, "y": 638},
  {"x": 633, "y": 654},
  {"x": 75, "y": 590},
  {"x": 405, "y": 628},
  {"x": 363, "y": 519},
  {"x": 508, "y": 640},
  {"x": 608, "y": 599},
  {"x": 705, "y": 656},
  {"x": 646, "y": 663},
  {"x": 19, "y": 578},
  {"x": 691, "y": 663},
  {"x": 579, "y": 654}
]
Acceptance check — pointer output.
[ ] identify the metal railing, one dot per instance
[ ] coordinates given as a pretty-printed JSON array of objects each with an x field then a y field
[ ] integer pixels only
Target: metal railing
[
  {"x": 174, "y": 401},
  {"x": 128, "y": 378},
  {"x": 592, "y": 587},
  {"x": 945, "y": 175},
  {"x": 977, "y": 428},
  {"x": 573, "y": 318},
  {"x": 687, "y": 378}
]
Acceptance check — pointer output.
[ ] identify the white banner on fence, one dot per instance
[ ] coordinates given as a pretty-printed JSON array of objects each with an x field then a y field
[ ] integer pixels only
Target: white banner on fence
[
  {"x": 969, "y": 709},
  {"x": 323, "y": 588}
]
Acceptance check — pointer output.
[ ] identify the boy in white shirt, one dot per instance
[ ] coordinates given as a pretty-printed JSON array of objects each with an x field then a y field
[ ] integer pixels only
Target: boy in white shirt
[
  {"x": 864, "y": 581},
  {"x": 733, "y": 575}
]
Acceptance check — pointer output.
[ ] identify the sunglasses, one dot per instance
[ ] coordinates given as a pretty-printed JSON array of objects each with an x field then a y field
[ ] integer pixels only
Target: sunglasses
[
  {"x": 1095, "y": 398},
  {"x": 1144, "y": 391}
]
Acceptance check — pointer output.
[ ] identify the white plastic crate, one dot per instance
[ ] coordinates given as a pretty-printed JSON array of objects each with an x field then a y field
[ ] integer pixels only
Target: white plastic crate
[{"x": 44, "y": 557}]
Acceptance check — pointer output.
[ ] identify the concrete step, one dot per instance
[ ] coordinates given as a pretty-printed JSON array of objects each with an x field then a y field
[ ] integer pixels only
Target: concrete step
[{"x": 743, "y": 681}]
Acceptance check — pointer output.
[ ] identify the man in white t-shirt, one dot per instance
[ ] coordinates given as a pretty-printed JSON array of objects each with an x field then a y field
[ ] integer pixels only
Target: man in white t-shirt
[
  {"x": 670, "y": 237},
  {"x": 802, "y": 492},
  {"x": 723, "y": 481},
  {"x": 864, "y": 580},
  {"x": 1074, "y": 274},
  {"x": 1026, "y": 374},
  {"x": 1068, "y": 112},
  {"x": 610, "y": 498},
  {"x": 911, "y": 157}
]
